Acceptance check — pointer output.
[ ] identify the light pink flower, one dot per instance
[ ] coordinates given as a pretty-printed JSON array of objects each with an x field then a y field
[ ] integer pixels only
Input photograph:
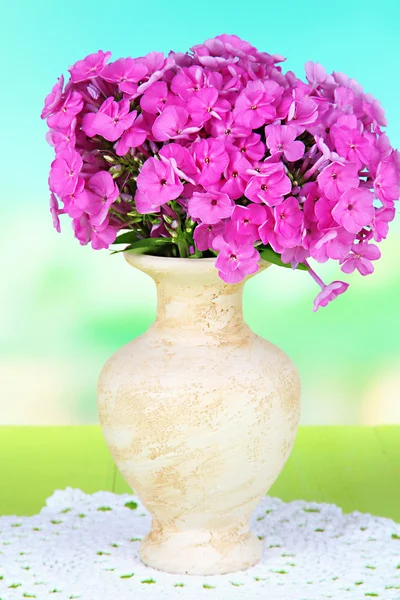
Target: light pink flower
[
  {"x": 89, "y": 67},
  {"x": 380, "y": 222},
  {"x": 329, "y": 293},
  {"x": 204, "y": 234},
  {"x": 210, "y": 207},
  {"x": 211, "y": 158},
  {"x": 337, "y": 178},
  {"x": 64, "y": 172},
  {"x": 144, "y": 205},
  {"x": 111, "y": 120},
  {"x": 66, "y": 111},
  {"x": 282, "y": 139},
  {"x": 159, "y": 182},
  {"x": 53, "y": 100},
  {"x": 355, "y": 209},
  {"x": 360, "y": 258},
  {"x": 303, "y": 110},
  {"x": 82, "y": 229}
]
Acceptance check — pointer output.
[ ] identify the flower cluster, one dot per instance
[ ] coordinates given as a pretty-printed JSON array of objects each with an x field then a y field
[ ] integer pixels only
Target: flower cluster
[{"x": 217, "y": 152}]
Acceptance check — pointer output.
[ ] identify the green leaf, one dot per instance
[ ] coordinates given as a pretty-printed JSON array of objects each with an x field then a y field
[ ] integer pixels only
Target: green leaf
[
  {"x": 126, "y": 238},
  {"x": 271, "y": 256},
  {"x": 149, "y": 245}
]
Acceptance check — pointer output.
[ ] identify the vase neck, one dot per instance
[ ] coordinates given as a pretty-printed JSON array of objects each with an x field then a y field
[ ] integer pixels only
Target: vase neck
[{"x": 213, "y": 310}]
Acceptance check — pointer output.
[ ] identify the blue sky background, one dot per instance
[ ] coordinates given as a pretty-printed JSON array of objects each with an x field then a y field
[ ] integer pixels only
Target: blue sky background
[{"x": 66, "y": 309}]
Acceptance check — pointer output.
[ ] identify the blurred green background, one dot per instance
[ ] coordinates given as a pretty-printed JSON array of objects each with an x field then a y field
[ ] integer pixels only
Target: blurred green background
[{"x": 65, "y": 309}]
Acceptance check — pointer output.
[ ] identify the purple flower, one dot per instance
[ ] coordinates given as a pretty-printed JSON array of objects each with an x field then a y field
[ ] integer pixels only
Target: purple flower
[
  {"x": 89, "y": 67},
  {"x": 360, "y": 258},
  {"x": 210, "y": 207}
]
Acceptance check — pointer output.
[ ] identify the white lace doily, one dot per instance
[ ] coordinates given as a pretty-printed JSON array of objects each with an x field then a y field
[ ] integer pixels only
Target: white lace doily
[{"x": 86, "y": 546}]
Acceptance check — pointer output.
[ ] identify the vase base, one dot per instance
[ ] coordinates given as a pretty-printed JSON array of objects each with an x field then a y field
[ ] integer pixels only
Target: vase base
[{"x": 200, "y": 552}]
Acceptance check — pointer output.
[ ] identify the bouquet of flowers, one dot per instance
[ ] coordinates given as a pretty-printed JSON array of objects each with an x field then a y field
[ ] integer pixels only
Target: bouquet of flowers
[{"x": 217, "y": 152}]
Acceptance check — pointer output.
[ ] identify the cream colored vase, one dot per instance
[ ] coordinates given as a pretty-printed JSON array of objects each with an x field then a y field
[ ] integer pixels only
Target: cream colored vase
[{"x": 200, "y": 415}]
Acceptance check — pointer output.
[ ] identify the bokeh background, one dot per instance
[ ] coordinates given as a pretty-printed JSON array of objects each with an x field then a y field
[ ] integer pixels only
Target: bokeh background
[{"x": 65, "y": 309}]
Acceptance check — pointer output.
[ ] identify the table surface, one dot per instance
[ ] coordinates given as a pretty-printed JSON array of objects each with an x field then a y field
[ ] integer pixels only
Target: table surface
[{"x": 357, "y": 468}]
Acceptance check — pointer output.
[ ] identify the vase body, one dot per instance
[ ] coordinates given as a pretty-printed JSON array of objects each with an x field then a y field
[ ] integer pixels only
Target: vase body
[{"x": 200, "y": 415}]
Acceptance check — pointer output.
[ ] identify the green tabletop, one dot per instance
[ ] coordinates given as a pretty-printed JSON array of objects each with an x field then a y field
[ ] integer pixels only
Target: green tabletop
[{"x": 357, "y": 468}]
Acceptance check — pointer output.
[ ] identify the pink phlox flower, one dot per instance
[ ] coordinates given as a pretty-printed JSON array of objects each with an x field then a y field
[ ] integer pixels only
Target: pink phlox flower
[
  {"x": 294, "y": 256},
  {"x": 155, "y": 98},
  {"x": 66, "y": 111},
  {"x": 236, "y": 175},
  {"x": 303, "y": 110},
  {"x": 380, "y": 222},
  {"x": 74, "y": 202},
  {"x": 355, "y": 209},
  {"x": 144, "y": 205},
  {"x": 55, "y": 211},
  {"x": 211, "y": 158},
  {"x": 270, "y": 185},
  {"x": 173, "y": 123},
  {"x": 289, "y": 219},
  {"x": 102, "y": 235},
  {"x": 372, "y": 107},
  {"x": 282, "y": 139},
  {"x": 124, "y": 70},
  {"x": 317, "y": 76},
  {"x": 210, "y": 207},
  {"x": 62, "y": 139},
  {"x": 328, "y": 293},
  {"x": 133, "y": 137},
  {"x": 254, "y": 106},
  {"x": 188, "y": 81},
  {"x": 204, "y": 234},
  {"x": 102, "y": 191},
  {"x": 226, "y": 129},
  {"x": 248, "y": 219},
  {"x": 360, "y": 258},
  {"x": 206, "y": 104},
  {"x": 64, "y": 172},
  {"x": 346, "y": 81},
  {"x": 111, "y": 120},
  {"x": 236, "y": 258},
  {"x": 323, "y": 208},
  {"x": 53, "y": 100},
  {"x": 352, "y": 145},
  {"x": 89, "y": 67},
  {"x": 334, "y": 244},
  {"x": 386, "y": 183},
  {"x": 82, "y": 229},
  {"x": 181, "y": 161},
  {"x": 251, "y": 147},
  {"x": 158, "y": 181},
  {"x": 337, "y": 178}
]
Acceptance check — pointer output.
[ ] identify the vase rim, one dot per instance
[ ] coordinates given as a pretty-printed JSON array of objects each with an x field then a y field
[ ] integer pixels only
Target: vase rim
[{"x": 150, "y": 263}]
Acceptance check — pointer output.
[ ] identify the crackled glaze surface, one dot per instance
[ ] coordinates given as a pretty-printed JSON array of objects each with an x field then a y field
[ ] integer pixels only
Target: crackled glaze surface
[{"x": 200, "y": 415}]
